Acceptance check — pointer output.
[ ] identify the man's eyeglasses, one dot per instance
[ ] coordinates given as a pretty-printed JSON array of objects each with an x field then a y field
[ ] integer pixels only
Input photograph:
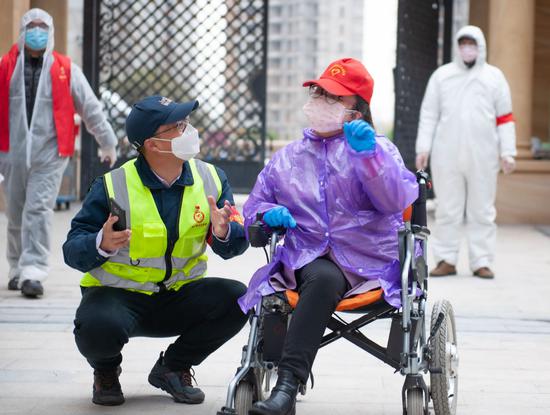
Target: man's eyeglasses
[
  {"x": 315, "y": 91},
  {"x": 180, "y": 126}
]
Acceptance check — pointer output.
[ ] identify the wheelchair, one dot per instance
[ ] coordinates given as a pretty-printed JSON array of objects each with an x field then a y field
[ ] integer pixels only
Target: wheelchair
[{"x": 408, "y": 350}]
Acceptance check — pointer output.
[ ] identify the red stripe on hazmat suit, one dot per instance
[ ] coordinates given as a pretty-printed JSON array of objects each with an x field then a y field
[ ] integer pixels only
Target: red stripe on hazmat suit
[{"x": 503, "y": 119}]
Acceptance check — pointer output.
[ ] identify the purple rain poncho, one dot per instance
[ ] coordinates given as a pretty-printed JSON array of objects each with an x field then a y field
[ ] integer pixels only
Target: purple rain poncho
[{"x": 347, "y": 204}]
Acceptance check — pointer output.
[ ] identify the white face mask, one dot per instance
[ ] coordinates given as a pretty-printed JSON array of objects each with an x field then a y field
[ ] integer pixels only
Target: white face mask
[
  {"x": 324, "y": 117},
  {"x": 186, "y": 146},
  {"x": 468, "y": 53}
]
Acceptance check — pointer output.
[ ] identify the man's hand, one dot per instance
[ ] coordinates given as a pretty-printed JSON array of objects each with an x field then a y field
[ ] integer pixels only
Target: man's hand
[
  {"x": 113, "y": 240},
  {"x": 422, "y": 161},
  {"x": 108, "y": 155},
  {"x": 508, "y": 164},
  {"x": 219, "y": 218}
]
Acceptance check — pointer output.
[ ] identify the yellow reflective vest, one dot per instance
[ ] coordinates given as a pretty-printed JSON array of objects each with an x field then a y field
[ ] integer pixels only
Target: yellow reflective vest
[{"x": 148, "y": 265}]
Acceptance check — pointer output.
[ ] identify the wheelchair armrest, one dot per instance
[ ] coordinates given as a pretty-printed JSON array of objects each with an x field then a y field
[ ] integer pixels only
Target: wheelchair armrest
[{"x": 259, "y": 234}]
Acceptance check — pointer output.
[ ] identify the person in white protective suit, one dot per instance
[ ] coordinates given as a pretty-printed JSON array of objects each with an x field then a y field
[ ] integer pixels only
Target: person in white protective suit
[
  {"x": 40, "y": 91},
  {"x": 467, "y": 129}
]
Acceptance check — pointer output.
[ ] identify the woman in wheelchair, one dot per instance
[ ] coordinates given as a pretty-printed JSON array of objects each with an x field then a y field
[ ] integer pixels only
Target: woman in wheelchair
[{"x": 339, "y": 192}]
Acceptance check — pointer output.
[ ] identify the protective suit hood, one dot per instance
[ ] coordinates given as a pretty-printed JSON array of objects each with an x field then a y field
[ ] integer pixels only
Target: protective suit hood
[
  {"x": 475, "y": 33},
  {"x": 36, "y": 14}
]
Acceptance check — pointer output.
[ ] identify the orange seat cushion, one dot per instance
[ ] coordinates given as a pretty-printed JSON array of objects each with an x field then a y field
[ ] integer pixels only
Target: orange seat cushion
[{"x": 352, "y": 303}]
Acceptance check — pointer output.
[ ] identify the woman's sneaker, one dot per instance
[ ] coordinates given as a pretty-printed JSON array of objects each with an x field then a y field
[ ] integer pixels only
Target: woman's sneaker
[
  {"x": 178, "y": 383},
  {"x": 107, "y": 390}
]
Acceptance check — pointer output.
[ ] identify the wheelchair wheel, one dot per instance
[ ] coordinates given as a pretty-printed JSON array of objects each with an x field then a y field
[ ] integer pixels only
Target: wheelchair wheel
[
  {"x": 415, "y": 402},
  {"x": 444, "y": 385},
  {"x": 244, "y": 398},
  {"x": 249, "y": 390}
]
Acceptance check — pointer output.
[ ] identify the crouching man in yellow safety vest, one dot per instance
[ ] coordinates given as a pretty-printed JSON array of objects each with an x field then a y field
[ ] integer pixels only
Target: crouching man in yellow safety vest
[{"x": 144, "y": 271}]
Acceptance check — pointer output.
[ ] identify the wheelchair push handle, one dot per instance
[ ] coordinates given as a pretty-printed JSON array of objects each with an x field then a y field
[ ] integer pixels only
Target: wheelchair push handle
[{"x": 419, "y": 214}]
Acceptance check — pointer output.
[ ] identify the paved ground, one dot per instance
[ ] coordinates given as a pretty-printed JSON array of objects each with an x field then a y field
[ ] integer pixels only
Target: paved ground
[{"x": 504, "y": 337}]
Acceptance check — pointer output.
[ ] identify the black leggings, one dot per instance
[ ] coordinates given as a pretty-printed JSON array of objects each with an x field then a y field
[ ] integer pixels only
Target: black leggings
[{"x": 321, "y": 286}]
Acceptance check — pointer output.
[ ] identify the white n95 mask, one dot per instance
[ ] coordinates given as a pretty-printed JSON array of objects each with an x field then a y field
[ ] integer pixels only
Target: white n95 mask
[
  {"x": 324, "y": 117},
  {"x": 186, "y": 146}
]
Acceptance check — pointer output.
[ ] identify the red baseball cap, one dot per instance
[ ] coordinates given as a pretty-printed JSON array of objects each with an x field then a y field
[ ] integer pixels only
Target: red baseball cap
[{"x": 345, "y": 77}]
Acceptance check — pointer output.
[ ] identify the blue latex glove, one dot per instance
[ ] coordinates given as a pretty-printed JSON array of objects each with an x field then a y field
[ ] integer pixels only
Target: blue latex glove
[
  {"x": 360, "y": 135},
  {"x": 279, "y": 216}
]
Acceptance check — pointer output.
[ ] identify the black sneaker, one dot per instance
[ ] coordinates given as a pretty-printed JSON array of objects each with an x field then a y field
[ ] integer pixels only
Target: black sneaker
[
  {"x": 32, "y": 288},
  {"x": 176, "y": 383},
  {"x": 107, "y": 390},
  {"x": 13, "y": 284}
]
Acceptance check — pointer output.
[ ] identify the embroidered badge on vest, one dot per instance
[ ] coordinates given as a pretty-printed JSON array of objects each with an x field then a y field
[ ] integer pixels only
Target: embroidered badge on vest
[{"x": 198, "y": 216}]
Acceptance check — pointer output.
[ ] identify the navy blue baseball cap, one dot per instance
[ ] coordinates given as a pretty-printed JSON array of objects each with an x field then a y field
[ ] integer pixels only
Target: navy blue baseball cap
[{"x": 150, "y": 113}]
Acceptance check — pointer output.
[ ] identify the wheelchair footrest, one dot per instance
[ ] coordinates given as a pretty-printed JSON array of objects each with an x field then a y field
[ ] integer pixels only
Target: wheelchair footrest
[{"x": 226, "y": 411}]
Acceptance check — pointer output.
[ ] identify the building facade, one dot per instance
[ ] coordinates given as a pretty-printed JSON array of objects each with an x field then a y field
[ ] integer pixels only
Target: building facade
[
  {"x": 304, "y": 37},
  {"x": 518, "y": 42}
]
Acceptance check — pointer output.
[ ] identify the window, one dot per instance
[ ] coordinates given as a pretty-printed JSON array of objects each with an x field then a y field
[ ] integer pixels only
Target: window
[
  {"x": 275, "y": 80},
  {"x": 275, "y": 63},
  {"x": 276, "y": 10},
  {"x": 311, "y": 44},
  {"x": 275, "y": 28},
  {"x": 275, "y": 116},
  {"x": 275, "y": 45}
]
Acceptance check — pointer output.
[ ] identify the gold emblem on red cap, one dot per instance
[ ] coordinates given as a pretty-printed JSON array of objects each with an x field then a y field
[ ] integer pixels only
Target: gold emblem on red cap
[{"x": 337, "y": 69}]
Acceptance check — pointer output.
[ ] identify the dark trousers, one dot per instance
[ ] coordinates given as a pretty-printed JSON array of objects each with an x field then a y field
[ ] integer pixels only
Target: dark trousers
[
  {"x": 321, "y": 286},
  {"x": 204, "y": 314}
]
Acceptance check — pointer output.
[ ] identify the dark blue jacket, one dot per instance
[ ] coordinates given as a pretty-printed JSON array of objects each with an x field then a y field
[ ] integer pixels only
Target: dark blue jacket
[{"x": 79, "y": 250}]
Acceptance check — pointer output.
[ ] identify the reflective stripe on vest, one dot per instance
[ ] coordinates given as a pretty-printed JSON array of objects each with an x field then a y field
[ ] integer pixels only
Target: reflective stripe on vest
[{"x": 142, "y": 266}]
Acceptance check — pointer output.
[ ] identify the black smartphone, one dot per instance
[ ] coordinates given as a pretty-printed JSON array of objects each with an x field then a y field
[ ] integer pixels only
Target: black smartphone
[{"x": 116, "y": 210}]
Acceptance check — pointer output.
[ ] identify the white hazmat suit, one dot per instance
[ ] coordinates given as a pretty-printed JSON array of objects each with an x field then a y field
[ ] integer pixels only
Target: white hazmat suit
[
  {"x": 33, "y": 167},
  {"x": 458, "y": 127}
]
